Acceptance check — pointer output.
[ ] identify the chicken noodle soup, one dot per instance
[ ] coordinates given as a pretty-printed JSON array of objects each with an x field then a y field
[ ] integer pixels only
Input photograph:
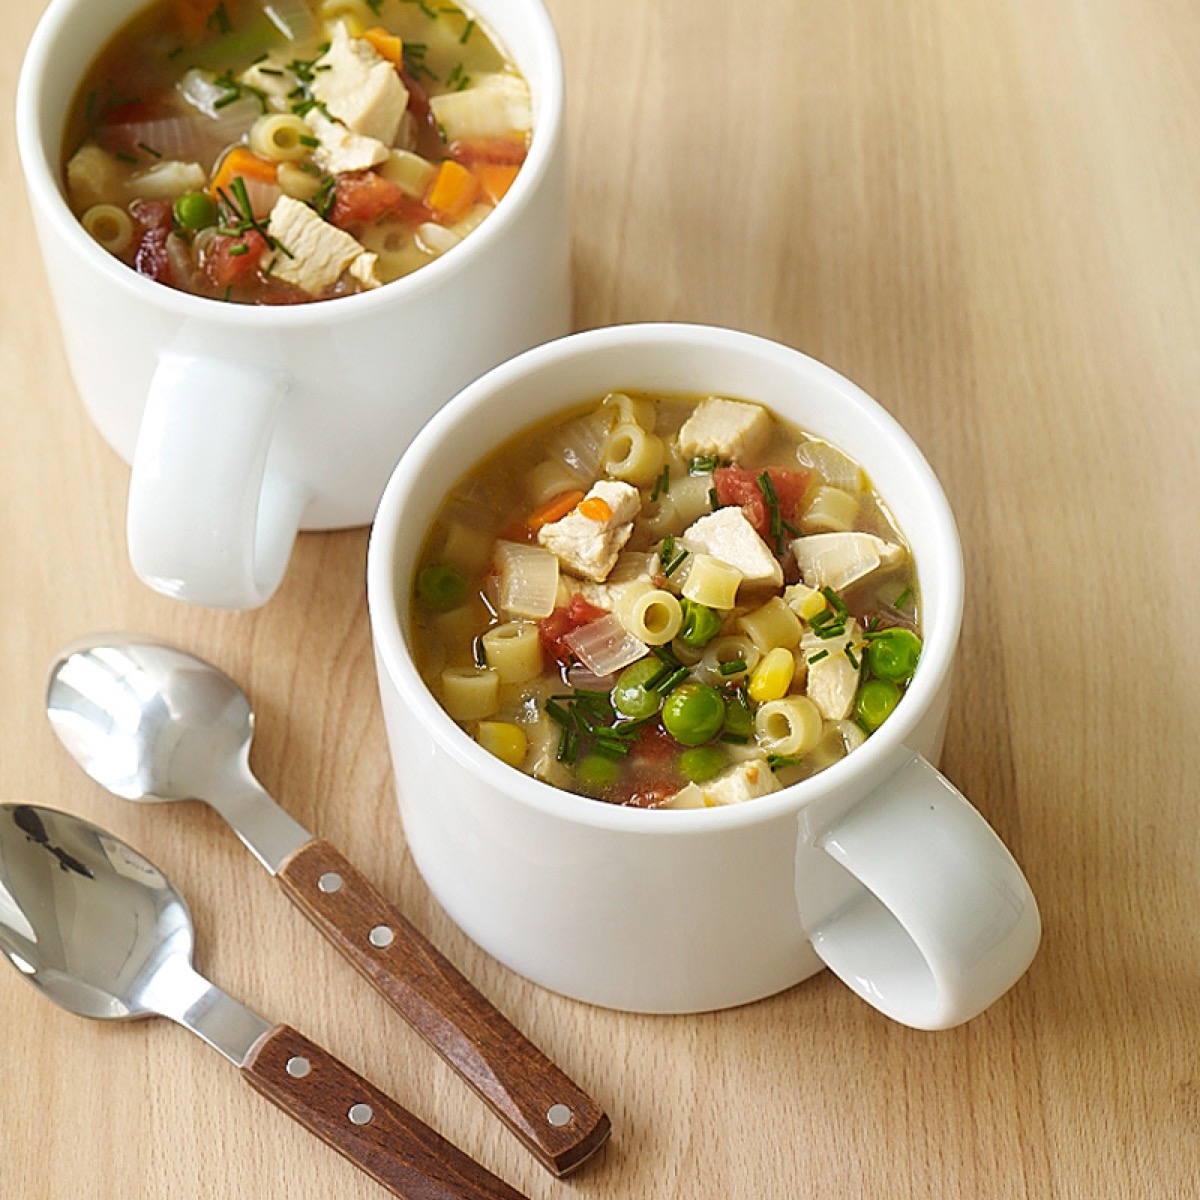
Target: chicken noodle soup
[
  {"x": 276, "y": 151},
  {"x": 667, "y": 601}
]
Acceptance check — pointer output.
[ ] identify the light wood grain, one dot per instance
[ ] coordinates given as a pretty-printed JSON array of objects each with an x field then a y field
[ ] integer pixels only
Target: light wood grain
[{"x": 988, "y": 215}]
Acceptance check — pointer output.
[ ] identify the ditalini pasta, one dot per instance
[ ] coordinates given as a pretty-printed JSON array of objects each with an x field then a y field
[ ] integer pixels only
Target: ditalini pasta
[
  {"x": 277, "y": 151},
  {"x": 668, "y": 602}
]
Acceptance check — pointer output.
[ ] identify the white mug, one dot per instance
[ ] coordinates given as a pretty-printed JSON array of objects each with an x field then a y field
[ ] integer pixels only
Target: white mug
[
  {"x": 245, "y": 424},
  {"x": 876, "y": 867}
]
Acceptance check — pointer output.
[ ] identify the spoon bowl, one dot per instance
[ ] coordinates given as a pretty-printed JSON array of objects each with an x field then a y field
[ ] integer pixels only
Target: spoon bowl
[
  {"x": 149, "y": 722},
  {"x": 106, "y": 922},
  {"x": 102, "y": 932}
]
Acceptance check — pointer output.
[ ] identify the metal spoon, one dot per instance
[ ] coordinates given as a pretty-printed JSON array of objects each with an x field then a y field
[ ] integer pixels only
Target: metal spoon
[
  {"x": 101, "y": 931},
  {"x": 151, "y": 722}
]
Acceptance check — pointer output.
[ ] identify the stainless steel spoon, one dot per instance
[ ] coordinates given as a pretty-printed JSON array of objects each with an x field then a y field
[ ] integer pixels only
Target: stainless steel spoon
[
  {"x": 151, "y": 722},
  {"x": 101, "y": 931}
]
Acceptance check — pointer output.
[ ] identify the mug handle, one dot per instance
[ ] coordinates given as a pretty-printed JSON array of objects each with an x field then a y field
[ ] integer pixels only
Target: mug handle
[
  {"x": 942, "y": 922},
  {"x": 207, "y": 521}
]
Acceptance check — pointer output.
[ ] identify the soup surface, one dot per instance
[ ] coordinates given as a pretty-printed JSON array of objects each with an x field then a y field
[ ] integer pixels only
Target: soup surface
[
  {"x": 278, "y": 151},
  {"x": 671, "y": 601}
]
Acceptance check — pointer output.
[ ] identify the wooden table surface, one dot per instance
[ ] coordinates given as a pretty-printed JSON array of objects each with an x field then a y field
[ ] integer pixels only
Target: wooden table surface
[{"x": 988, "y": 215}]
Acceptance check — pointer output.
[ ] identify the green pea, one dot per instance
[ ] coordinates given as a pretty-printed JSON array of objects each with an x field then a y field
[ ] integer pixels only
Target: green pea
[
  {"x": 195, "y": 210},
  {"x": 693, "y": 713},
  {"x": 595, "y": 772},
  {"x": 875, "y": 702},
  {"x": 702, "y": 763},
  {"x": 892, "y": 654},
  {"x": 441, "y": 588},
  {"x": 631, "y": 697},
  {"x": 700, "y": 624},
  {"x": 739, "y": 721}
]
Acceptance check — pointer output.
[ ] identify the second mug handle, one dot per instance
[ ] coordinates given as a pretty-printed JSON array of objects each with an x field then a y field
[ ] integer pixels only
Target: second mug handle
[
  {"x": 207, "y": 522},
  {"x": 943, "y": 922}
]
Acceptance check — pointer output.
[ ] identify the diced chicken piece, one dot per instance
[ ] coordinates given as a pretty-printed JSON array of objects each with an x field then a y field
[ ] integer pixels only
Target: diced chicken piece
[
  {"x": 589, "y": 538},
  {"x": 746, "y": 781},
  {"x": 272, "y": 79},
  {"x": 312, "y": 253},
  {"x": 496, "y": 105},
  {"x": 836, "y": 560},
  {"x": 94, "y": 177},
  {"x": 166, "y": 180},
  {"x": 729, "y": 428},
  {"x": 727, "y": 534},
  {"x": 363, "y": 268},
  {"x": 359, "y": 87},
  {"x": 833, "y": 676},
  {"x": 340, "y": 149}
]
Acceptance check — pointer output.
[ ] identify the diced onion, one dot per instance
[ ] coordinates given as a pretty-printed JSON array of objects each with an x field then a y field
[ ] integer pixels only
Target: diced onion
[
  {"x": 580, "y": 444},
  {"x": 528, "y": 582},
  {"x": 579, "y": 676},
  {"x": 292, "y": 18},
  {"x": 830, "y": 462},
  {"x": 604, "y": 646}
]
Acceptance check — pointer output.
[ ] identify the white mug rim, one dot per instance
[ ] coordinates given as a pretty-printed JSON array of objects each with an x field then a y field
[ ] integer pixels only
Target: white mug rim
[
  {"x": 46, "y": 192},
  {"x": 889, "y": 741}
]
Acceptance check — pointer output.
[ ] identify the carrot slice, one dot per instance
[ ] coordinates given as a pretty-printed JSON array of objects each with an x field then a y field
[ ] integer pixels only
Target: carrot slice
[
  {"x": 554, "y": 509},
  {"x": 240, "y": 161},
  {"x": 495, "y": 179},
  {"x": 595, "y": 509},
  {"x": 387, "y": 45},
  {"x": 452, "y": 191}
]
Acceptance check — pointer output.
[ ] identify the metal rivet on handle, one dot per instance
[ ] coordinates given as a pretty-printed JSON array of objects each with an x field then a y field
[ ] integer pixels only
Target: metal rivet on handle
[
  {"x": 298, "y": 1066},
  {"x": 330, "y": 882},
  {"x": 381, "y": 936},
  {"x": 559, "y": 1114},
  {"x": 361, "y": 1114}
]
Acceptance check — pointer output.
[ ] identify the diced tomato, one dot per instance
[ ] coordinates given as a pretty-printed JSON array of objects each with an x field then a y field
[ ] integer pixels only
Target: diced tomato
[
  {"x": 227, "y": 265},
  {"x": 740, "y": 485},
  {"x": 554, "y": 628},
  {"x": 363, "y": 197},
  {"x": 470, "y": 151}
]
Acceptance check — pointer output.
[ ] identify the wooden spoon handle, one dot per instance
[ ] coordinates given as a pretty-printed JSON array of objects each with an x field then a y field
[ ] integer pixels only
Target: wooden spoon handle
[
  {"x": 368, "y": 1127},
  {"x": 560, "y": 1124}
]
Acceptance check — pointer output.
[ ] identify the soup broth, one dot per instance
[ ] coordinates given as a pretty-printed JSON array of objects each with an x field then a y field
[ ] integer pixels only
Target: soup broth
[
  {"x": 666, "y": 601},
  {"x": 279, "y": 151}
]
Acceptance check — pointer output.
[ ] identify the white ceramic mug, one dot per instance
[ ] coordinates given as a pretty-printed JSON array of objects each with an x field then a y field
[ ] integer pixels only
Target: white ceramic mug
[
  {"x": 245, "y": 424},
  {"x": 876, "y": 867}
]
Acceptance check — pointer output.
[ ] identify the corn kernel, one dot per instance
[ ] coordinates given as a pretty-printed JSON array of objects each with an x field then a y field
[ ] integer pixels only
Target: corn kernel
[
  {"x": 804, "y": 601},
  {"x": 503, "y": 739},
  {"x": 772, "y": 677}
]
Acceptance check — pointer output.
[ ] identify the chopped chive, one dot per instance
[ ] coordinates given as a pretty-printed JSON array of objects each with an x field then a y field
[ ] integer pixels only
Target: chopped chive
[
  {"x": 676, "y": 562},
  {"x": 675, "y": 677},
  {"x": 238, "y": 250},
  {"x": 904, "y": 597},
  {"x": 129, "y": 158},
  {"x": 778, "y": 761},
  {"x": 714, "y": 503},
  {"x": 815, "y": 658},
  {"x": 467, "y": 30},
  {"x": 149, "y": 150},
  {"x": 850, "y": 655},
  {"x": 732, "y": 667},
  {"x": 835, "y": 601},
  {"x": 703, "y": 464},
  {"x": 662, "y": 485}
]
